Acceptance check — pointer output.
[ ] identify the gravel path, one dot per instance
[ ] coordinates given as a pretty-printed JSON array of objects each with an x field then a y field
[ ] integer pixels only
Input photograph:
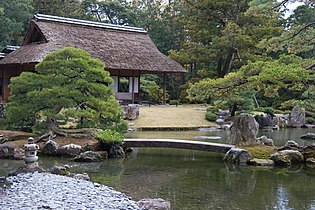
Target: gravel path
[{"x": 48, "y": 191}]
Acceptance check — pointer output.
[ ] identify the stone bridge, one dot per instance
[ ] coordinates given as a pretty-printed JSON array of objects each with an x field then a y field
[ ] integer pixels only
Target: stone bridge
[{"x": 181, "y": 144}]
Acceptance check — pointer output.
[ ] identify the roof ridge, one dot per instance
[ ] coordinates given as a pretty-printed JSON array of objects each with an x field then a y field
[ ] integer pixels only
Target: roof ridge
[{"x": 87, "y": 23}]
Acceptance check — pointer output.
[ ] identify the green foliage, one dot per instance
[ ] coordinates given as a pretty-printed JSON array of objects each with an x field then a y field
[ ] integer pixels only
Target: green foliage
[
  {"x": 14, "y": 17},
  {"x": 271, "y": 79},
  {"x": 211, "y": 116},
  {"x": 213, "y": 109},
  {"x": 112, "y": 11},
  {"x": 174, "y": 102},
  {"x": 108, "y": 136},
  {"x": 310, "y": 120},
  {"x": 63, "y": 8},
  {"x": 268, "y": 110},
  {"x": 68, "y": 84}
]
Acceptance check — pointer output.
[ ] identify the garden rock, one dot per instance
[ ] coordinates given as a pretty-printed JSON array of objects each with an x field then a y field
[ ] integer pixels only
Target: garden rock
[
  {"x": 131, "y": 112},
  {"x": 264, "y": 120},
  {"x": 308, "y": 136},
  {"x": 60, "y": 170},
  {"x": 219, "y": 121},
  {"x": 154, "y": 204},
  {"x": 116, "y": 151},
  {"x": 297, "y": 117},
  {"x": 83, "y": 176},
  {"x": 261, "y": 162},
  {"x": 27, "y": 168},
  {"x": 91, "y": 156},
  {"x": 287, "y": 157},
  {"x": 6, "y": 150},
  {"x": 265, "y": 141},
  {"x": 237, "y": 155},
  {"x": 290, "y": 145},
  {"x": 69, "y": 150},
  {"x": 243, "y": 131},
  {"x": 310, "y": 161},
  {"x": 50, "y": 148}
]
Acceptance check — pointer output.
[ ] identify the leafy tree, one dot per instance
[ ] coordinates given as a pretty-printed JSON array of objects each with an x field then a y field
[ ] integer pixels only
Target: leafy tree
[
  {"x": 286, "y": 76},
  {"x": 14, "y": 18},
  {"x": 116, "y": 12},
  {"x": 222, "y": 35},
  {"x": 68, "y": 84},
  {"x": 63, "y": 8}
]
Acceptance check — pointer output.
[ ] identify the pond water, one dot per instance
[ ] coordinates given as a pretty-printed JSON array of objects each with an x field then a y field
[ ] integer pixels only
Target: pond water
[{"x": 199, "y": 180}]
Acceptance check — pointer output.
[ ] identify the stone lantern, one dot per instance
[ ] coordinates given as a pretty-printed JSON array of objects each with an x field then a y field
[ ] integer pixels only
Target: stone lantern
[{"x": 30, "y": 151}]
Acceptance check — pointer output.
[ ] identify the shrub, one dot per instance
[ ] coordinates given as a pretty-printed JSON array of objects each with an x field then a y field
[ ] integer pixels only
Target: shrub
[
  {"x": 108, "y": 136},
  {"x": 174, "y": 102},
  {"x": 268, "y": 110},
  {"x": 211, "y": 116},
  {"x": 213, "y": 109},
  {"x": 310, "y": 120}
]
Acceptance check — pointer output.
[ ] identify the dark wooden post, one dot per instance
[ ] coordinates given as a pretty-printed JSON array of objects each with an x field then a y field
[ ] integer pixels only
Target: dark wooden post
[
  {"x": 133, "y": 88},
  {"x": 164, "y": 88}
]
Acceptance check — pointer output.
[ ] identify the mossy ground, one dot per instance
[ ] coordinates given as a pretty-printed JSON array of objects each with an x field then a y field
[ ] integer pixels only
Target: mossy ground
[{"x": 260, "y": 151}]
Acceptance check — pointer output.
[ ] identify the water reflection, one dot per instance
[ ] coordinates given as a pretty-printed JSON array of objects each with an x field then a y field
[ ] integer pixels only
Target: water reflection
[{"x": 197, "y": 180}]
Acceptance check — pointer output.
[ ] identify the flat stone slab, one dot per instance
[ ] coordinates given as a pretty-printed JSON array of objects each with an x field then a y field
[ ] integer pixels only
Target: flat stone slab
[{"x": 180, "y": 144}]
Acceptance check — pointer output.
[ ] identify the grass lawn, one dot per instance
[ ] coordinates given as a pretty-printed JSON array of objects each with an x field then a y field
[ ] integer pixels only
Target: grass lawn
[{"x": 164, "y": 117}]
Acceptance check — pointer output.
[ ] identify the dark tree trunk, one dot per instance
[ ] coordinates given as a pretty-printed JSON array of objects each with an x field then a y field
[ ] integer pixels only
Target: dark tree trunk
[
  {"x": 54, "y": 127},
  {"x": 233, "y": 109}
]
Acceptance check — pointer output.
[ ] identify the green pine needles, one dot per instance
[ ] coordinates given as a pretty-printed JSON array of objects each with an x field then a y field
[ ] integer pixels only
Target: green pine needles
[{"x": 68, "y": 85}]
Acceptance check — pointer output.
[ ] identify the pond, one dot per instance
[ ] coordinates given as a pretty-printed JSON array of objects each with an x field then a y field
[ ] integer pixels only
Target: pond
[{"x": 199, "y": 180}]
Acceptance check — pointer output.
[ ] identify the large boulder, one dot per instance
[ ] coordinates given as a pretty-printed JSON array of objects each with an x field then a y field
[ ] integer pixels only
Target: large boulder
[
  {"x": 297, "y": 117},
  {"x": 50, "y": 148},
  {"x": 287, "y": 157},
  {"x": 69, "y": 150},
  {"x": 264, "y": 120},
  {"x": 91, "y": 156},
  {"x": 6, "y": 151},
  {"x": 131, "y": 111},
  {"x": 237, "y": 155},
  {"x": 243, "y": 131},
  {"x": 154, "y": 204}
]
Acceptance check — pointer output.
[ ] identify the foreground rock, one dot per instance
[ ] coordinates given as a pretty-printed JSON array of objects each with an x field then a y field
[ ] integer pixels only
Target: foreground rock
[
  {"x": 243, "y": 131},
  {"x": 237, "y": 155},
  {"x": 154, "y": 204},
  {"x": 287, "y": 157},
  {"x": 49, "y": 191},
  {"x": 27, "y": 168}
]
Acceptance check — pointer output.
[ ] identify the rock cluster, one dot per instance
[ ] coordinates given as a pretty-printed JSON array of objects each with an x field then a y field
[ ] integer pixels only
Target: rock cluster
[{"x": 49, "y": 191}]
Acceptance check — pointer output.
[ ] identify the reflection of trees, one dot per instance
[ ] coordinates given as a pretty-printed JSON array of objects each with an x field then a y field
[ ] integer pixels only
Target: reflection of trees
[{"x": 241, "y": 180}]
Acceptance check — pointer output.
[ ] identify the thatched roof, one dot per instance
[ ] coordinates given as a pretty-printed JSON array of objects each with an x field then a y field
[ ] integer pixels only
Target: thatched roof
[{"x": 121, "y": 48}]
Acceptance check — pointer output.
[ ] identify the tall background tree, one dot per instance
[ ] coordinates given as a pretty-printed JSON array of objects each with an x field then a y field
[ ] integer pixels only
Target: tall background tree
[{"x": 14, "y": 18}]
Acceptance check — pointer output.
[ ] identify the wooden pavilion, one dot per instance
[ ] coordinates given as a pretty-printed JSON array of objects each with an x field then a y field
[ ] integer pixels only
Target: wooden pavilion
[{"x": 127, "y": 52}]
